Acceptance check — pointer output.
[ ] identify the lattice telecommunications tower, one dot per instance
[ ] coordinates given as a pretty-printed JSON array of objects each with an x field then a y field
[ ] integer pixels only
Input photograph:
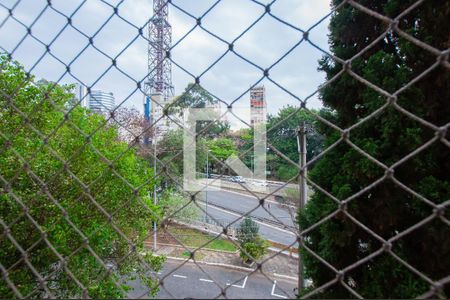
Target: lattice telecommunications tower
[{"x": 158, "y": 85}]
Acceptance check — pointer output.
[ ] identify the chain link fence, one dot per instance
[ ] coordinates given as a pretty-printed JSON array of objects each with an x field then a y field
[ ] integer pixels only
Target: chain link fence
[{"x": 78, "y": 187}]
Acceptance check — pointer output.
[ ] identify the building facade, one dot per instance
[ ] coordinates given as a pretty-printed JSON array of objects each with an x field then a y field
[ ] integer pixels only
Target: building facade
[
  {"x": 81, "y": 95},
  {"x": 163, "y": 123},
  {"x": 257, "y": 105},
  {"x": 100, "y": 101}
]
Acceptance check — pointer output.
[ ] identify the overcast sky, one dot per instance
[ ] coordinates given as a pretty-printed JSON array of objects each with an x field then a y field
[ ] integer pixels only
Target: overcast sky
[{"x": 263, "y": 44}]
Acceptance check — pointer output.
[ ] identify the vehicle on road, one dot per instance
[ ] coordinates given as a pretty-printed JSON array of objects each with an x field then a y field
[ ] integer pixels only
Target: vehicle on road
[
  {"x": 259, "y": 182},
  {"x": 237, "y": 179}
]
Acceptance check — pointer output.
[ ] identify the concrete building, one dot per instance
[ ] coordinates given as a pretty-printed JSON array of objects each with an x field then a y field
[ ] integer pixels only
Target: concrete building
[
  {"x": 258, "y": 105},
  {"x": 164, "y": 124},
  {"x": 81, "y": 95},
  {"x": 100, "y": 101}
]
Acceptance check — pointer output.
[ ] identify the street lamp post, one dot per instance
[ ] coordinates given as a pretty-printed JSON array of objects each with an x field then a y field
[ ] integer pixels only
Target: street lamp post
[
  {"x": 154, "y": 193},
  {"x": 206, "y": 192}
]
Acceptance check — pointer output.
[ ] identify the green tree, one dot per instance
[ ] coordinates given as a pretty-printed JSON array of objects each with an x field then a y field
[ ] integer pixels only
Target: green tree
[
  {"x": 66, "y": 195},
  {"x": 247, "y": 231},
  {"x": 170, "y": 153},
  {"x": 169, "y": 149},
  {"x": 253, "y": 247},
  {"x": 243, "y": 139},
  {"x": 282, "y": 134},
  {"x": 221, "y": 149},
  {"x": 387, "y": 209},
  {"x": 195, "y": 96}
]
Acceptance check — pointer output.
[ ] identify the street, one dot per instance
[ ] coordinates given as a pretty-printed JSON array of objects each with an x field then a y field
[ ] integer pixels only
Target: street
[
  {"x": 243, "y": 203},
  {"x": 231, "y": 206},
  {"x": 203, "y": 281}
]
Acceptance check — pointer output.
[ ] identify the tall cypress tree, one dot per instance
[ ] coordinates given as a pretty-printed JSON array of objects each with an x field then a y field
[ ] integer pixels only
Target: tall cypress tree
[{"x": 387, "y": 209}]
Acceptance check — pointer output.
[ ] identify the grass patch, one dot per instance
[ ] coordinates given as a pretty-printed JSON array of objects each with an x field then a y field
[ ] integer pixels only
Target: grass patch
[
  {"x": 197, "y": 255},
  {"x": 194, "y": 238}
]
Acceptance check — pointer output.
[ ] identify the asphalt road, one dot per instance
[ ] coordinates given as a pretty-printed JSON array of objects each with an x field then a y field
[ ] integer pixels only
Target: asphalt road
[
  {"x": 189, "y": 281},
  {"x": 245, "y": 203},
  {"x": 234, "y": 205}
]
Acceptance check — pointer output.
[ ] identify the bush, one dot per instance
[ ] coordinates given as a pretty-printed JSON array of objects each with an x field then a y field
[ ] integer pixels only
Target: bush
[{"x": 254, "y": 250}]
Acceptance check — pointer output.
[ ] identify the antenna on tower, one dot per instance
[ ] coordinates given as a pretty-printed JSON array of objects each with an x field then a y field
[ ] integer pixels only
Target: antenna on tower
[{"x": 159, "y": 80}]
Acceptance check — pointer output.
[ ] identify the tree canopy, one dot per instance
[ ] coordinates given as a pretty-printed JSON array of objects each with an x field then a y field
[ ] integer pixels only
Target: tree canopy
[
  {"x": 69, "y": 189},
  {"x": 195, "y": 96},
  {"x": 222, "y": 148},
  {"x": 282, "y": 134},
  {"x": 387, "y": 208},
  {"x": 170, "y": 153}
]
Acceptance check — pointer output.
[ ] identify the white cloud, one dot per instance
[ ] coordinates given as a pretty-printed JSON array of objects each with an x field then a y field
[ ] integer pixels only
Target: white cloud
[{"x": 263, "y": 45}]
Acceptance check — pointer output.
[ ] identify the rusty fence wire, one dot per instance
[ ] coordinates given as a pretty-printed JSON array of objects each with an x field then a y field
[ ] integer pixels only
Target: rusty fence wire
[{"x": 100, "y": 209}]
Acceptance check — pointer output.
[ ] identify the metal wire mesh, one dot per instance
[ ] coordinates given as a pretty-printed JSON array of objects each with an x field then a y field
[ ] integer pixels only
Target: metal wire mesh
[{"x": 26, "y": 234}]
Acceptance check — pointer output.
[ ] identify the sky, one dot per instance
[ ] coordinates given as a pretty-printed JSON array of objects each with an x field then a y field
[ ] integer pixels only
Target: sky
[{"x": 263, "y": 45}]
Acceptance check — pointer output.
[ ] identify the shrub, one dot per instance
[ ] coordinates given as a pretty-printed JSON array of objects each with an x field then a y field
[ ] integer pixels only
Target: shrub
[{"x": 254, "y": 250}]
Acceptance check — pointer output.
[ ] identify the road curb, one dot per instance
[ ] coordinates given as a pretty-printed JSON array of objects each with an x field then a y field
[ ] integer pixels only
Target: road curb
[
  {"x": 238, "y": 268},
  {"x": 195, "y": 248},
  {"x": 283, "y": 252},
  {"x": 212, "y": 264},
  {"x": 285, "y": 276}
]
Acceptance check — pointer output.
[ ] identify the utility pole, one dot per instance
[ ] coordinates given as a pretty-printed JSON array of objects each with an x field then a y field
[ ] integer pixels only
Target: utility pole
[{"x": 301, "y": 143}]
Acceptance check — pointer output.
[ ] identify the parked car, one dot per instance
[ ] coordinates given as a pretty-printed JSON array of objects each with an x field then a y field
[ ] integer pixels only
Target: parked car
[{"x": 238, "y": 179}]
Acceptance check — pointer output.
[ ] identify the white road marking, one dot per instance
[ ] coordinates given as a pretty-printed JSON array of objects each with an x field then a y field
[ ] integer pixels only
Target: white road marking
[
  {"x": 273, "y": 291},
  {"x": 179, "y": 276},
  {"x": 256, "y": 221},
  {"x": 240, "y": 286},
  {"x": 206, "y": 280}
]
